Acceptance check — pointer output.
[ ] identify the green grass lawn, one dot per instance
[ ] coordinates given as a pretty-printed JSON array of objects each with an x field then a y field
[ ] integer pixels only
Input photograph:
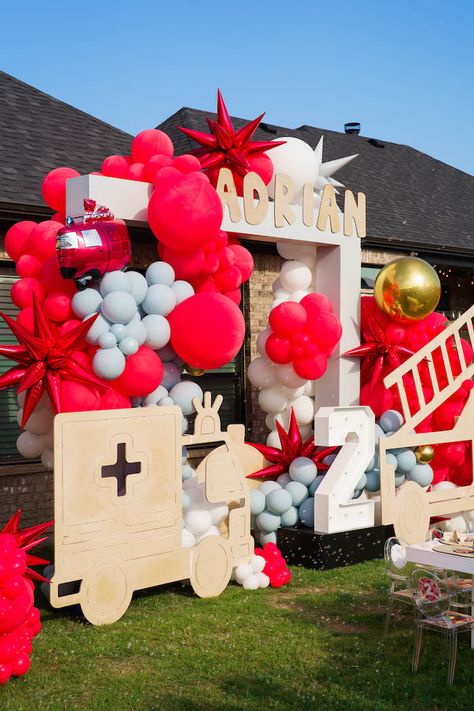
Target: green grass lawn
[{"x": 315, "y": 644}]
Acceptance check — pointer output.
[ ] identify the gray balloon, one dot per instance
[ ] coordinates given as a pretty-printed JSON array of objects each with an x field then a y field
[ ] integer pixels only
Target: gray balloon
[
  {"x": 171, "y": 375},
  {"x": 108, "y": 363},
  {"x": 98, "y": 328},
  {"x": 138, "y": 286},
  {"x": 114, "y": 281},
  {"x": 160, "y": 273},
  {"x": 183, "y": 393},
  {"x": 183, "y": 290},
  {"x": 119, "y": 307},
  {"x": 86, "y": 302},
  {"x": 159, "y": 299},
  {"x": 128, "y": 345},
  {"x": 107, "y": 340},
  {"x": 118, "y": 329},
  {"x": 157, "y": 394},
  {"x": 157, "y": 331},
  {"x": 166, "y": 354},
  {"x": 136, "y": 329}
]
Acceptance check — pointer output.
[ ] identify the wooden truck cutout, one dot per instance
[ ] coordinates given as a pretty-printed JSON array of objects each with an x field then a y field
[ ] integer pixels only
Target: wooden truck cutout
[
  {"x": 410, "y": 508},
  {"x": 118, "y": 506}
]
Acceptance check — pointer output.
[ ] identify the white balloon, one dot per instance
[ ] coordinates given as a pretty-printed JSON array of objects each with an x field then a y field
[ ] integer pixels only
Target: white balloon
[
  {"x": 262, "y": 373},
  {"x": 160, "y": 273},
  {"x": 292, "y": 393},
  {"x": 183, "y": 290},
  {"x": 270, "y": 422},
  {"x": 295, "y": 276},
  {"x": 295, "y": 251},
  {"x": 294, "y": 158},
  {"x": 263, "y": 580},
  {"x": 251, "y": 582},
  {"x": 298, "y": 295},
  {"x": 304, "y": 409},
  {"x": 47, "y": 459},
  {"x": 257, "y": 563},
  {"x": 187, "y": 539},
  {"x": 310, "y": 388},
  {"x": 137, "y": 286},
  {"x": 273, "y": 439},
  {"x": 30, "y": 445},
  {"x": 211, "y": 531},
  {"x": 272, "y": 400},
  {"x": 40, "y": 421},
  {"x": 443, "y": 485},
  {"x": 287, "y": 376},
  {"x": 183, "y": 394},
  {"x": 86, "y": 302},
  {"x": 219, "y": 513},
  {"x": 114, "y": 281},
  {"x": 262, "y": 339},
  {"x": 197, "y": 521},
  {"x": 184, "y": 425},
  {"x": 277, "y": 302},
  {"x": 243, "y": 571}
]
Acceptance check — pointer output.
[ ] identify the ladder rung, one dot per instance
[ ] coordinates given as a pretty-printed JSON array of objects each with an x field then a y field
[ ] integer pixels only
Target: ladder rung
[
  {"x": 462, "y": 359},
  {"x": 447, "y": 364},
  {"x": 433, "y": 375},
  {"x": 404, "y": 401},
  {"x": 419, "y": 387}
]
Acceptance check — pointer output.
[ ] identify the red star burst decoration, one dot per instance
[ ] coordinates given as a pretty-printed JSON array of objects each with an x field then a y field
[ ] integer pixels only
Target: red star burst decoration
[
  {"x": 375, "y": 351},
  {"x": 44, "y": 359},
  {"x": 26, "y": 540},
  {"x": 224, "y": 147},
  {"x": 292, "y": 446}
]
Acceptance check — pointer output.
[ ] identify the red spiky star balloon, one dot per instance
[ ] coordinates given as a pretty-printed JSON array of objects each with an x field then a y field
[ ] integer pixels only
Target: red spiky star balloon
[
  {"x": 375, "y": 351},
  {"x": 27, "y": 539},
  {"x": 44, "y": 359},
  {"x": 226, "y": 148},
  {"x": 292, "y": 446}
]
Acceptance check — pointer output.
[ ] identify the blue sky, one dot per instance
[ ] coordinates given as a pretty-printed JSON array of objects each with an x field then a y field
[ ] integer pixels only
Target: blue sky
[{"x": 402, "y": 68}]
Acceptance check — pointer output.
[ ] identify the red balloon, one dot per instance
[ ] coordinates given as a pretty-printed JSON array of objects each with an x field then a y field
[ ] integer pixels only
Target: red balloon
[
  {"x": 234, "y": 295},
  {"x": 379, "y": 398},
  {"x": 287, "y": 318},
  {"x": 54, "y": 187},
  {"x": 28, "y": 266},
  {"x": 186, "y": 265},
  {"x": 136, "y": 171},
  {"x": 311, "y": 368},
  {"x": 115, "y": 167},
  {"x": 155, "y": 164},
  {"x": 143, "y": 373},
  {"x": 325, "y": 330},
  {"x": 111, "y": 399},
  {"x": 186, "y": 214},
  {"x": 51, "y": 276},
  {"x": 228, "y": 279},
  {"x": 22, "y": 291},
  {"x": 42, "y": 242},
  {"x": 57, "y": 307},
  {"x": 207, "y": 330},
  {"x": 17, "y": 239},
  {"x": 149, "y": 142},
  {"x": 186, "y": 164},
  {"x": 243, "y": 260},
  {"x": 76, "y": 397},
  {"x": 278, "y": 348},
  {"x": 68, "y": 326},
  {"x": 26, "y": 318}
]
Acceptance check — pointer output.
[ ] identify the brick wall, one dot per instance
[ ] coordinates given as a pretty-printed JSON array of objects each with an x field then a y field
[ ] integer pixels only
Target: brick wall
[{"x": 29, "y": 487}]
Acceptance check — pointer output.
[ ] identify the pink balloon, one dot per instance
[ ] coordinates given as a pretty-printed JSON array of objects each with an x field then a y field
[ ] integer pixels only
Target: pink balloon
[
  {"x": 17, "y": 239},
  {"x": 149, "y": 142},
  {"x": 54, "y": 187},
  {"x": 156, "y": 163},
  {"x": 186, "y": 164},
  {"x": 136, "y": 171},
  {"x": 207, "y": 330}
]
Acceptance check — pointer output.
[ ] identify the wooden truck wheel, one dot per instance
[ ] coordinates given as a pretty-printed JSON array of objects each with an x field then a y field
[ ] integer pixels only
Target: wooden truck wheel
[
  {"x": 105, "y": 593},
  {"x": 412, "y": 518},
  {"x": 211, "y": 567}
]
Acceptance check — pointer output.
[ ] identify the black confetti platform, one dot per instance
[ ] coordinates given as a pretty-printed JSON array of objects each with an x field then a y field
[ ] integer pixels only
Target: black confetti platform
[{"x": 303, "y": 547}]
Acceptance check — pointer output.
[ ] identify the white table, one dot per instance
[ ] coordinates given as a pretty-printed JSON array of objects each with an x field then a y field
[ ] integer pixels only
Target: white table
[{"x": 423, "y": 554}]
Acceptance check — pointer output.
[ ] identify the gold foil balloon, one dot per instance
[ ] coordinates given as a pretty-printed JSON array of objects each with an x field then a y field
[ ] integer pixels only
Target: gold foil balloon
[
  {"x": 407, "y": 289},
  {"x": 193, "y": 371},
  {"x": 424, "y": 454}
]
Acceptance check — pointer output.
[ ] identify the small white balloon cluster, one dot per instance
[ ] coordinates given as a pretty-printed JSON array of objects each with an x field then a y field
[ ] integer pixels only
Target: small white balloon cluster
[
  {"x": 36, "y": 440},
  {"x": 281, "y": 389},
  {"x": 403, "y": 460},
  {"x": 132, "y": 312},
  {"x": 461, "y": 521},
  {"x": 250, "y": 575},
  {"x": 200, "y": 518},
  {"x": 173, "y": 391},
  {"x": 285, "y": 502}
]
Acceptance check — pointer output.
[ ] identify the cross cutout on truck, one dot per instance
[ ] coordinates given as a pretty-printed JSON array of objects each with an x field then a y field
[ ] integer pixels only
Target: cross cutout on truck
[{"x": 121, "y": 469}]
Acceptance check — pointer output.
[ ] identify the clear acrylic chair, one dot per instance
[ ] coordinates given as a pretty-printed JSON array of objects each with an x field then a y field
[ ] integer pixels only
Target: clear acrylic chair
[
  {"x": 399, "y": 574},
  {"x": 433, "y": 597}
]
